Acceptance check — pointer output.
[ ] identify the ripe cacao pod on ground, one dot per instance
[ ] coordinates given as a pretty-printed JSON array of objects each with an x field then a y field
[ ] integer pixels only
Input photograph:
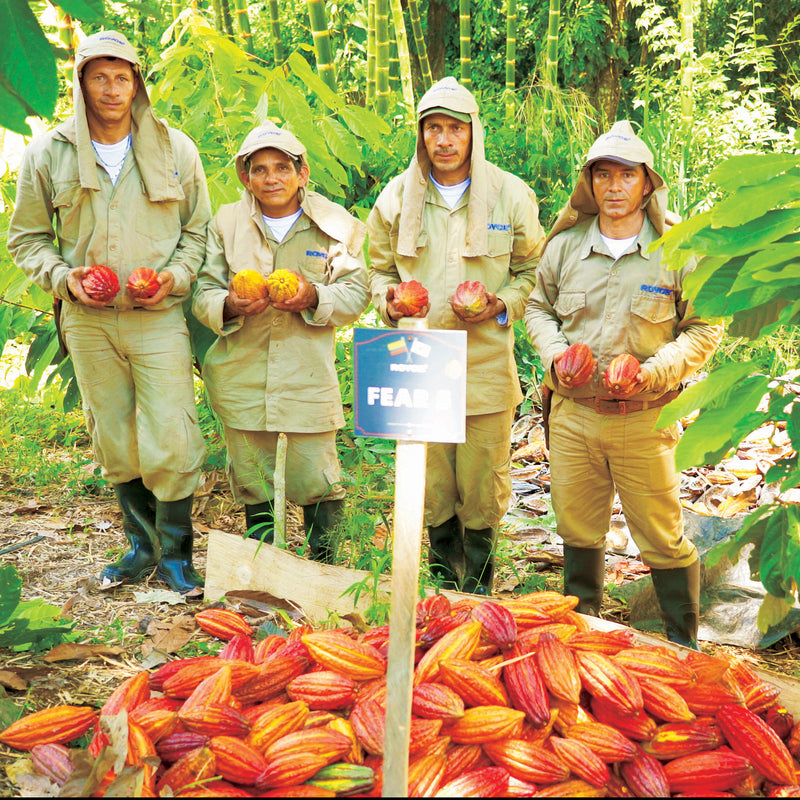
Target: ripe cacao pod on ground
[
  {"x": 621, "y": 373},
  {"x": 250, "y": 285},
  {"x": 143, "y": 282},
  {"x": 101, "y": 283},
  {"x": 410, "y": 297},
  {"x": 469, "y": 300},
  {"x": 282, "y": 285},
  {"x": 576, "y": 366}
]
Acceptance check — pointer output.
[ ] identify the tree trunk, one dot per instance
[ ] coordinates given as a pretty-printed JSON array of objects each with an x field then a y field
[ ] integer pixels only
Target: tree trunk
[
  {"x": 382, "y": 56},
  {"x": 419, "y": 41},
  {"x": 511, "y": 58},
  {"x": 465, "y": 43},
  {"x": 322, "y": 42},
  {"x": 607, "y": 91},
  {"x": 244, "y": 25},
  {"x": 441, "y": 18},
  {"x": 66, "y": 35},
  {"x": 370, "y": 52},
  {"x": 402, "y": 53}
]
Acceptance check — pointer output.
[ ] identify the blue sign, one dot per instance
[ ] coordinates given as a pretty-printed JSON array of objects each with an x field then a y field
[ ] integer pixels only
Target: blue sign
[{"x": 410, "y": 384}]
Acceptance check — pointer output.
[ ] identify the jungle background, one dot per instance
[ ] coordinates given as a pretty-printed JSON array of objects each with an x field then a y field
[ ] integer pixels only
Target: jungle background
[{"x": 713, "y": 86}]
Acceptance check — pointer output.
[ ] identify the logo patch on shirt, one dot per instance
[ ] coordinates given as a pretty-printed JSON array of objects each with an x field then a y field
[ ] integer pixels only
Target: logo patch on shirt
[
  {"x": 498, "y": 226},
  {"x": 655, "y": 289},
  {"x": 316, "y": 254}
]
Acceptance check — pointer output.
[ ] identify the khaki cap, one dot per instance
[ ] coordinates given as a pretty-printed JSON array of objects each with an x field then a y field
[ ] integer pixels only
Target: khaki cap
[
  {"x": 622, "y": 145},
  {"x": 269, "y": 135},
  {"x": 447, "y": 112},
  {"x": 106, "y": 44}
]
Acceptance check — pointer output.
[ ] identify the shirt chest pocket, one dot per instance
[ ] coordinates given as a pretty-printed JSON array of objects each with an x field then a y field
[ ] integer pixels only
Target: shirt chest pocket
[
  {"x": 71, "y": 211},
  {"x": 158, "y": 222},
  {"x": 570, "y": 304},
  {"x": 654, "y": 308}
]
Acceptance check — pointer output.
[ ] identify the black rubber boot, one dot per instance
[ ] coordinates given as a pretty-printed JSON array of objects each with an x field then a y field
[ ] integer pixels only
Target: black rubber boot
[
  {"x": 260, "y": 521},
  {"x": 478, "y": 561},
  {"x": 174, "y": 526},
  {"x": 678, "y": 593},
  {"x": 446, "y": 553},
  {"x": 585, "y": 576},
  {"x": 319, "y": 520},
  {"x": 138, "y": 506}
]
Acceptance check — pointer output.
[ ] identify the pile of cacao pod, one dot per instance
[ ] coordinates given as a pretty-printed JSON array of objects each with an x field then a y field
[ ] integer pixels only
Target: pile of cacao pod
[{"x": 513, "y": 698}]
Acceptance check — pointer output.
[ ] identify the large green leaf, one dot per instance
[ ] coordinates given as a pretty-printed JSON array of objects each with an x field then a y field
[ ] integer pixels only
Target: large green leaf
[
  {"x": 367, "y": 125},
  {"x": 754, "y": 235},
  {"x": 752, "y": 531},
  {"x": 780, "y": 553},
  {"x": 301, "y": 68},
  {"x": 703, "y": 393},
  {"x": 750, "y": 202},
  {"x": 86, "y": 10},
  {"x": 293, "y": 108},
  {"x": 342, "y": 143},
  {"x": 750, "y": 170},
  {"x": 27, "y": 64},
  {"x": 13, "y": 112},
  {"x": 753, "y": 323},
  {"x": 766, "y": 264},
  {"x": 10, "y": 591}
]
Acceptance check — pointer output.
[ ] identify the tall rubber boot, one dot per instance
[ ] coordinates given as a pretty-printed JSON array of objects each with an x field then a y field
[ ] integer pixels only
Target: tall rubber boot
[
  {"x": 174, "y": 527},
  {"x": 446, "y": 553},
  {"x": 260, "y": 521},
  {"x": 138, "y": 506},
  {"x": 319, "y": 520},
  {"x": 678, "y": 593},
  {"x": 478, "y": 561},
  {"x": 584, "y": 577}
]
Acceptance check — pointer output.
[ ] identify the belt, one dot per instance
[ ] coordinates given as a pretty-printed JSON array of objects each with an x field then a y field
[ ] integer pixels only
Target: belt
[{"x": 604, "y": 405}]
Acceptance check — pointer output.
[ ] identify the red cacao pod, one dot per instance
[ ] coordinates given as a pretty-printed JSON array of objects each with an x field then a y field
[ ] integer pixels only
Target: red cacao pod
[
  {"x": 621, "y": 373},
  {"x": 101, "y": 283},
  {"x": 410, "y": 297},
  {"x": 143, "y": 282},
  {"x": 576, "y": 366},
  {"x": 470, "y": 299}
]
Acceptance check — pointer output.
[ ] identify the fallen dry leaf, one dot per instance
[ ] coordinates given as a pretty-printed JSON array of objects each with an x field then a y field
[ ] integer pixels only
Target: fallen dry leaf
[
  {"x": 12, "y": 680},
  {"x": 169, "y": 636},
  {"x": 69, "y": 651}
]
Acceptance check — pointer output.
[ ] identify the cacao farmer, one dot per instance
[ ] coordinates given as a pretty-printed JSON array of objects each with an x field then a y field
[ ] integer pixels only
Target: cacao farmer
[
  {"x": 453, "y": 217},
  {"x": 126, "y": 192},
  {"x": 599, "y": 284},
  {"x": 272, "y": 368}
]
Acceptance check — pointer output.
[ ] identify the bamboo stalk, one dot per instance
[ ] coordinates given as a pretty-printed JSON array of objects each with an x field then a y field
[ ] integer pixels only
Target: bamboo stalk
[
  {"x": 511, "y": 57},
  {"x": 419, "y": 41},
  {"x": 275, "y": 31},
  {"x": 394, "y": 61},
  {"x": 66, "y": 35},
  {"x": 219, "y": 25},
  {"x": 243, "y": 21},
  {"x": 227, "y": 20},
  {"x": 687, "y": 65},
  {"x": 465, "y": 43},
  {"x": 371, "y": 61},
  {"x": 403, "y": 55},
  {"x": 382, "y": 56},
  {"x": 322, "y": 41},
  {"x": 551, "y": 62}
]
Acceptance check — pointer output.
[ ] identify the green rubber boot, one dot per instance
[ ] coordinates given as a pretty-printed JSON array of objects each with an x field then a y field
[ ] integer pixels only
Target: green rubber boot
[
  {"x": 138, "y": 506},
  {"x": 678, "y": 593},
  {"x": 446, "y": 553},
  {"x": 319, "y": 520},
  {"x": 260, "y": 521},
  {"x": 174, "y": 526},
  {"x": 478, "y": 561},
  {"x": 584, "y": 577}
]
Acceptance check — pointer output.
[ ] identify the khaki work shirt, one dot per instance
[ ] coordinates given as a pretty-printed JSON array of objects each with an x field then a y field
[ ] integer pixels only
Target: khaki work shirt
[
  {"x": 117, "y": 226},
  {"x": 515, "y": 240},
  {"x": 632, "y": 304},
  {"x": 276, "y": 371}
]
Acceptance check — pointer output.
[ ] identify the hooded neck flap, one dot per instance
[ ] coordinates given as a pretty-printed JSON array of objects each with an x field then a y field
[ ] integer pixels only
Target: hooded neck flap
[
  {"x": 619, "y": 142},
  {"x": 151, "y": 144},
  {"x": 447, "y": 94}
]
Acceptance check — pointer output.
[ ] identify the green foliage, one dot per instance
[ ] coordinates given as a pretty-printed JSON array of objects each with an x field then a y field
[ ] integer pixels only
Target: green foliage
[
  {"x": 27, "y": 624},
  {"x": 748, "y": 262}
]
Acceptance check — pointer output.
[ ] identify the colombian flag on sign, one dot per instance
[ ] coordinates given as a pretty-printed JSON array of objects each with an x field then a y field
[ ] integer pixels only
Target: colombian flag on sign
[{"x": 397, "y": 347}]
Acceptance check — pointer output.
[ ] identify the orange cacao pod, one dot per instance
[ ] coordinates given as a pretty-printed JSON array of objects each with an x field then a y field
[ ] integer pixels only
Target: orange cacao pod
[
  {"x": 526, "y": 761},
  {"x": 434, "y": 605},
  {"x": 458, "y": 643},
  {"x": 338, "y": 652},
  {"x": 463, "y": 758},
  {"x": 436, "y": 701},
  {"x": 638, "y": 726},
  {"x": 751, "y": 737},
  {"x": 192, "y": 768},
  {"x": 222, "y": 622},
  {"x": 472, "y": 682},
  {"x": 268, "y": 646},
  {"x": 249, "y": 285},
  {"x": 56, "y": 725},
  {"x": 558, "y": 668},
  {"x": 324, "y": 742},
  {"x": 355, "y": 755},
  {"x": 482, "y": 724},
  {"x": 607, "y": 742},
  {"x": 290, "y": 769},
  {"x": 676, "y": 739},
  {"x": 713, "y": 771},
  {"x": 143, "y": 282},
  {"x": 425, "y": 774},
  {"x": 606, "y": 642},
  {"x": 621, "y": 373},
  {"x": 664, "y": 702},
  {"x": 601, "y": 677},
  {"x": 165, "y": 671},
  {"x": 645, "y": 776},
  {"x": 52, "y": 761},
  {"x": 215, "y": 688},
  {"x": 100, "y": 283},
  {"x": 704, "y": 699},
  {"x": 369, "y": 720},
  {"x": 215, "y": 719},
  {"x": 271, "y": 678},
  {"x": 576, "y": 366},
  {"x": 239, "y": 648},
  {"x": 237, "y": 762},
  {"x": 498, "y": 622},
  {"x": 581, "y": 759},
  {"x": 469, "y": 299},
  {"x": 410, "y": 297},
  {"x": 131, "y": 693},
  {"x": 483, "y": 782},
  {"x": 282, "y": 285},
  {"x": 324, "y": 690},
  {"x": 574, "y": 787},
  {"x": 658, "y": 663},
  {"x": 275, "y": 723},
  {"x": 525, "y": 687}
]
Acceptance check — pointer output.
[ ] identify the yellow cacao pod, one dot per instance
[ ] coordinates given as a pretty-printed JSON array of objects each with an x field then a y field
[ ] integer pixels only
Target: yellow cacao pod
[
  {"x": 250, "y": 285},
  {"x": 282, "y": 285}
]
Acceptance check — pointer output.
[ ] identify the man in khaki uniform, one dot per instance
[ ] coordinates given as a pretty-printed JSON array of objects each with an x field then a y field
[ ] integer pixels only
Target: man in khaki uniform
[
  {"x": 453, "y": 217},
  {"x": 272, "y": 367},
  {"x": 598, "y": 284},
  {"x": 126, "y": 191}
]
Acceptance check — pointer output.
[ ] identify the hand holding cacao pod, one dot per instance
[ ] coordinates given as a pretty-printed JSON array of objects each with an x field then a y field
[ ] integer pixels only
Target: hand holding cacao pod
[
  {"x": 99, "y": 283},
  {"x": 408, "y": 299},
  {"x": 576, "y": 366},
  {"x": 250, "y": 285},
  {"x": 623, "y": 376},
  {"x": 143, "y": 283},
  {"x": 282, "y": 285},
  {"x": 470, "y": 300}
]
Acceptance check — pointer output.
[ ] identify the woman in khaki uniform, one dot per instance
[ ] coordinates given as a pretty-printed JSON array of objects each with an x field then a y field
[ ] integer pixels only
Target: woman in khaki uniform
[
  {"x": 599, "y": 284},
  {"x": 272, "y": 368},
  {"x": 453, "y": 217},
  {"x": 125, "y": 191}
]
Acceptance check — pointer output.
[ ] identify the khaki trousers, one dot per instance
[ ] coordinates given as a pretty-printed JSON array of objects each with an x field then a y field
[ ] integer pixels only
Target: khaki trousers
[
  {"x": 312, "y": 466},
  {"x": 471, "y": 480},
  {"x": 591, "y": 454},
  {"x": 134, "y": 370}
]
